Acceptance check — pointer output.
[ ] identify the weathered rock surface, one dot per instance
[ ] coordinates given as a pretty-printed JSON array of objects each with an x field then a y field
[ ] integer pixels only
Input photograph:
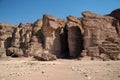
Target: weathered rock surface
[
  {"x": 6, "y": 31},
  {"x": 74, "y": 36},
  {"x": 97, "y": 28},
  {"x": 37, "y": 27},
  {"x": 34, "y": 47},
  {"x": 93, "y": 51},
  {"x": 92, "y": 35},
  {"x": 51, "y": 30},
  {"x": 26, "y": 38},
  {"x": 111, "y": 49}
]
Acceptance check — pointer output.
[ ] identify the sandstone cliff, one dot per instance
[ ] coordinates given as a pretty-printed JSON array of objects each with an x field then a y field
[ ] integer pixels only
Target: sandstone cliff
[{"x": 50, "y": 38}]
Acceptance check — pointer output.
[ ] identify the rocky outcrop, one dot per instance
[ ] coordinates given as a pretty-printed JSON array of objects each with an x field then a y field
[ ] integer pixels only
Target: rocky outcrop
[
  {"x": 97, "y": 28},
  {"x": 35, "y": 45},
  {"x": 50, "y": 38},
  {"x": 51, "y": 30},
  {"x": 20, "y": 39},
  {"x": 6, "y": 31}
]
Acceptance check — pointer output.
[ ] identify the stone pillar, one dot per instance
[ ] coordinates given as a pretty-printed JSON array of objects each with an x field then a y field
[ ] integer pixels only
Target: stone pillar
[{"x": 51, "y": 31}]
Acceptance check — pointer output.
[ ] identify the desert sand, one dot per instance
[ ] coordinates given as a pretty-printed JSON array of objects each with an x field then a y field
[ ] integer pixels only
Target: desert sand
[{"x": 61, "y": 69}]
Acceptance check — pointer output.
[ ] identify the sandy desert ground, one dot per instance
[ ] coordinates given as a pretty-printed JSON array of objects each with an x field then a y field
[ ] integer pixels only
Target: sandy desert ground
[{"x": 61, "y": 69}]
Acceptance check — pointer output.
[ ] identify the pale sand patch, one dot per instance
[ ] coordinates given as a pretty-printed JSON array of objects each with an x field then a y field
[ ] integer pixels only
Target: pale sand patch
[{"x": 25, "y": 69}]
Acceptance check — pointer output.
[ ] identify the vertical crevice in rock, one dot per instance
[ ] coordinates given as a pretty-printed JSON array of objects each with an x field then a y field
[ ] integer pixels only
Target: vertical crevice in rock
[
  {"x": 116, "y": 24},
  {"x": 64, "y": 43},
  {"x": 75, "y": 38},
  {"x": 35, "y": 44},
  {"x": 75, "y": 41}
]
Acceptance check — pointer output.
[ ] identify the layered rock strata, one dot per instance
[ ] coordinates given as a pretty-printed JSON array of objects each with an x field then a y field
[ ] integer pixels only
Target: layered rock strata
[{"x": 50, "y": 38}]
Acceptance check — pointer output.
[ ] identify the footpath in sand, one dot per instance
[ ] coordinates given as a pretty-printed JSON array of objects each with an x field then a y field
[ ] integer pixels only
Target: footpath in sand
[{"x": 59, "y": 70}]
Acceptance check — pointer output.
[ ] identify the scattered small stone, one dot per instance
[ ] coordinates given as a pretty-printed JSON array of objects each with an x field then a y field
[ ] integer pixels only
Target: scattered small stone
[
  {"x": 29, "y": 72},
  {"x": 53, "y": 63},
  {"x": 84, "y": 72},
  {"x": 108, "y": 64},
  {"x": 119, "y": 76},
  {"x": 96, "y": 71},
  {"x": 18, "y": 74},
  {"x": 43, "y": 64},
  {"x": 86, "y": 75},
  {"x": 73, "y": 68},
  {"x": 10, "y": 73},
  {"x": 109, "y": 70},
  {"x": 43, "y": 72},
  {"x": 78, "y": 69}
]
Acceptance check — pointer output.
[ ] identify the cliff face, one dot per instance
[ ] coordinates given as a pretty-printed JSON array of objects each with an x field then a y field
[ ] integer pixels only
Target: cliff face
[
  {"x": 92, "y": 35},
  {"x": 6, "y": 31}
]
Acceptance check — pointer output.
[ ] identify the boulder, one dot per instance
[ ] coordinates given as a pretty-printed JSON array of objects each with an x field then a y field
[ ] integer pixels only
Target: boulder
[
  {"x": 14, "y": 52},
  {"x": 45, "y": 57}
]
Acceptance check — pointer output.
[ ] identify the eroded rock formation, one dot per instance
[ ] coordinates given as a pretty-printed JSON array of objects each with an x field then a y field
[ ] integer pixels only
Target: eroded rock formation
[
  {"x": 75, "y": 37},
  {"x": 6, "y": 31},
  {"x": 50, "y": 38},
  {"x": 51, "y": 31},
  {"x": 97, "y": 29}
]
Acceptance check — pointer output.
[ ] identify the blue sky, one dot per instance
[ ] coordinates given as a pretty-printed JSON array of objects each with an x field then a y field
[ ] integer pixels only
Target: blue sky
[{"x": 16, "y": 11}]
